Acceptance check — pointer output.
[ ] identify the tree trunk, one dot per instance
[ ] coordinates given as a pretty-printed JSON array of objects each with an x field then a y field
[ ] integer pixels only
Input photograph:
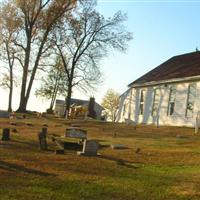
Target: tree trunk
[
  {"x": 68, "y": 99},
  {"x": 10, "y": 92},
  {"x": 22, "y": 104},
  {"x": 30, "y": 84},
  {"x": 54, "y": 95},
  {"x": 11, "y": 63}
]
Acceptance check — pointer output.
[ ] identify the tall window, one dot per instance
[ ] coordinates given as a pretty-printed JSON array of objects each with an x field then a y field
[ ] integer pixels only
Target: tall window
[
  {"x": 142, "y": 102},
  {"x": 124, "y": 109},
  {"x": 155, "y": 102},
  {"x": 171, "y": 103},
  {"x": 191, "y": 100}
]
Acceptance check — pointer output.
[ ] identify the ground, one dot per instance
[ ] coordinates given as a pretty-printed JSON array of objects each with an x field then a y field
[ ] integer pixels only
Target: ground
[{"x": 167, "y": 167}]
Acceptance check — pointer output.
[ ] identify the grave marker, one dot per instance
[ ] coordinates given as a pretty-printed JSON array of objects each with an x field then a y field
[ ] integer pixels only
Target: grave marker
[
  {"x": 42, "y": 136},
  {"x": 90, "y": 148},
  {"x": 6, "y": 134},
  {"x": 75, "y": 133}
]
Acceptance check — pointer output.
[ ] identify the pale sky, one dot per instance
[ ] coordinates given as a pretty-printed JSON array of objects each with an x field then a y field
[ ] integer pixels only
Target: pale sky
[{"x": 161, "y": 29}]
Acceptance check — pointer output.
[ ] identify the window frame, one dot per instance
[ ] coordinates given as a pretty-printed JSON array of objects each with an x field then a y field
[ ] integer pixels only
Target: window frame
[
  {"x": 189, "y": 101},
  {"x": 124, "y": 109},
  {"x": 171, "y": 101},
  {"x": 141, "y": 102},
  {"x": 155, "y": 103}
]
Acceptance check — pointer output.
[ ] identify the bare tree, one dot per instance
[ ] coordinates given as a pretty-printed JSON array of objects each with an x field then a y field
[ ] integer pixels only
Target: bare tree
[
  {"x": 84, "y": 40},
  {"x": 111, "y": 104}
]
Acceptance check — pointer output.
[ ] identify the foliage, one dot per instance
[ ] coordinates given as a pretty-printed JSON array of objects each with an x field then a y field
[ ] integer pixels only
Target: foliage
[
  {"x": 111, "y": 103},
  {"x": 55, "y": 83},
  {"x": 9, "y": 25},
  {"x": 38, "y": 19}
]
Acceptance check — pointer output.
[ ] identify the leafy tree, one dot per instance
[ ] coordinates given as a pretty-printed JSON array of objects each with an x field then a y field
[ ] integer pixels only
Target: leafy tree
[
  {"x": 9, "y": 25},
  {"x": 111, "y": 103},
  {"x": 39, "y": 18},
  {"x": 84, "y": 40},
  {"x": 54, "y": 84}
]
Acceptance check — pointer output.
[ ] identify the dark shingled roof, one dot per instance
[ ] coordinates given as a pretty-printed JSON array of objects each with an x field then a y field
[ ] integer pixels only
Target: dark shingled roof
[{"x": 181, "y": 66}]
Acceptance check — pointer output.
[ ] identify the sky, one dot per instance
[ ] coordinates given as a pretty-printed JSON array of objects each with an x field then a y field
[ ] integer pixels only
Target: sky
[{"x": 161, "y": 29}]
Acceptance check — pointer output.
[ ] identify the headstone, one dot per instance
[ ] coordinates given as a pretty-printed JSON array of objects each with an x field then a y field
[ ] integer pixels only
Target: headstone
[
  {"x": 90, "y": 148},
  {"x": 45, "y": 125},
  {"x": 29, "y": 124},
  {"x": 14, "y": 130},
  {"x": 42, "y": 136},
  {"x": 6, "y": 134},
  {"x": 75, "y": 125},
  {"x": 60, "y": 151},
  {"x": 118, "y": 146},
  {"x": 138, "y": 150},
  {"x": 91, "y": 108},
  {"x": 4, "y": 114},
  {"x": 13, "y": 124},
  {"x": 76, "y": 133}
]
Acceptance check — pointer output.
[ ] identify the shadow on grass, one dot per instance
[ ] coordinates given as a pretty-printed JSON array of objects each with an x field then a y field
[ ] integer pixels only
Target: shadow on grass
[
  {"x": 120, "y": 162},
  {"x": 17, "y": 168},
  {"x": 32, "y": 143}
]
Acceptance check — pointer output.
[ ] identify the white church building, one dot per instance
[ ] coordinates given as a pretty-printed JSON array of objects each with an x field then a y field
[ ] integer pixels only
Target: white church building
[{"x": 167, "y": 95}]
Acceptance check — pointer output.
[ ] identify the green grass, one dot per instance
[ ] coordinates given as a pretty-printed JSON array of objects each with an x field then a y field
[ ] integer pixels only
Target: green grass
[{"x": 166, "y": 168}]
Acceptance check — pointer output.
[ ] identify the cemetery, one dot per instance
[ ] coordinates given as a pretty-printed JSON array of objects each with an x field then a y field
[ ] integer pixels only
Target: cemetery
[{"x": 54, "y": 158}]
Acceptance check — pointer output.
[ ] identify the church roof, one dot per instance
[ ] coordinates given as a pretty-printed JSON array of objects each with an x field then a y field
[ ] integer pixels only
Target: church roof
[{"x": 181, "y": 66}]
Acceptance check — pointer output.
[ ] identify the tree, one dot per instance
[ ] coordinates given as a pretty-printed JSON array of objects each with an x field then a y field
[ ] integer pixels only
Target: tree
[
  {"x": 9, "y": 25},
  {"x": 55, "y": 83},
  {"x": 111, "y": 104},
  {"x": 84, "y": 40},
  {"x": 39, "y": 18}
]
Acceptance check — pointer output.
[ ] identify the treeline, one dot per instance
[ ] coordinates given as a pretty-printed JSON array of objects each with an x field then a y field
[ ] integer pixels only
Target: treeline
[{"x": 62, "y": 41}]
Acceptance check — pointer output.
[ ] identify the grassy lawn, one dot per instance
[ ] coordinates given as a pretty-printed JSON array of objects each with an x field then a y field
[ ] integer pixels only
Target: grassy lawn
[{"x": 168, "y": 167}]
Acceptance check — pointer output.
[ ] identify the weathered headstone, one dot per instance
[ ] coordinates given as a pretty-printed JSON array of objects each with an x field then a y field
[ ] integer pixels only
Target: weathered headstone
[
  {"x": 90, "y": 148},
  {"x": 74, "y": 132},
  {"x": 42, "y": 136},
  {"x": 60, "y": 151},
  {"x": 6, "y": 134}
]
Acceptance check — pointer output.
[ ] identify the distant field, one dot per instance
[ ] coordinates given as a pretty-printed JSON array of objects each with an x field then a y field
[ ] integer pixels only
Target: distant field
[{"x": 168, "y": 167}]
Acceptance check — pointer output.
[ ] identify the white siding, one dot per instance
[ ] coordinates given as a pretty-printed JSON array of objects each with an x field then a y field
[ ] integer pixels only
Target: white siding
[{"x": 178, "y": 118}]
